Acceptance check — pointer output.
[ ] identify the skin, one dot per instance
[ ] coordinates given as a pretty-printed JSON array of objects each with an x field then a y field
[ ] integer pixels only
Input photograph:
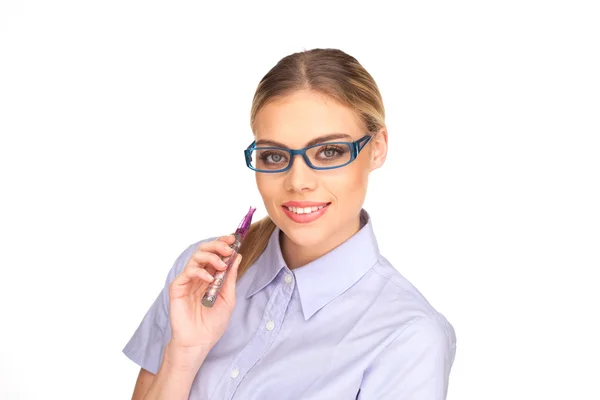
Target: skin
[
  {"x": 194, "y": 328},
  {"x": 294, "y": 120}
]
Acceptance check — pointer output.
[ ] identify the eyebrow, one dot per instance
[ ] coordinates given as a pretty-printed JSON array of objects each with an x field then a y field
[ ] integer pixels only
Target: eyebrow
[{"x": 320, "y": 139}]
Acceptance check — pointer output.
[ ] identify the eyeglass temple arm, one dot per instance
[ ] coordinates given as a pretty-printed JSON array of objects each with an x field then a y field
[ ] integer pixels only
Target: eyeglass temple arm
[{"x": 361, "y": 143}]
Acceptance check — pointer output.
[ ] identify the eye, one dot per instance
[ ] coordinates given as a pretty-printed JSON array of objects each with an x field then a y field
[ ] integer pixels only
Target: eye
[
  {"x": 330, "y": 152},
  {"x": 270, "y": 157},
  {"x": 276, "y": 157}
]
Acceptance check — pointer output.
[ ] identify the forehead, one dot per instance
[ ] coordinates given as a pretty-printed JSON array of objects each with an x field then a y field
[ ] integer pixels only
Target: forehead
[{"x": 304, "y": 115}]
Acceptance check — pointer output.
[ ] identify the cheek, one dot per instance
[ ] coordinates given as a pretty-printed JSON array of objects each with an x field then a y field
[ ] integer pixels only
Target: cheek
[
  {"x": 266, "y": 186},
  {"x": 349, "y": 181},
  {"x": 261, "y": 184}
]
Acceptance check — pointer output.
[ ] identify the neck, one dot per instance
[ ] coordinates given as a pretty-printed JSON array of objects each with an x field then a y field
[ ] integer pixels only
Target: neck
[{"x": 296, "y": 255}]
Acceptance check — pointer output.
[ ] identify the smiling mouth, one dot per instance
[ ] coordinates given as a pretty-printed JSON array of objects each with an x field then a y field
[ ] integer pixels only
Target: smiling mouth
[{"x": 305, "y": 210}]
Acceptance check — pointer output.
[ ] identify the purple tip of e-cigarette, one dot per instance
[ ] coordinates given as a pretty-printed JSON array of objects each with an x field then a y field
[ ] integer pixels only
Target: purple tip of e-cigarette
[{"x": 244, "y": 227}]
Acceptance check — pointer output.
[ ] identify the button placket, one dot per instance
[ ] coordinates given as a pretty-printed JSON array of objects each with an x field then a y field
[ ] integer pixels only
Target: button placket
[
  {"x": 285, "y": 290},
  {"x": 270, "y": 325},
  {"x": 288, "y": 279},
  {"x": 272, "y": 320}
]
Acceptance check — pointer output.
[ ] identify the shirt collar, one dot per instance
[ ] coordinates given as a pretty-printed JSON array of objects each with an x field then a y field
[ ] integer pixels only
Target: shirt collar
[{"x": 322, "y": 280}]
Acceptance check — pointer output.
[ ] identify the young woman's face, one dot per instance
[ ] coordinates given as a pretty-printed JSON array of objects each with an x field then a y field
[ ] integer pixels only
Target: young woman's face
[{"x": 294, "y": 121}]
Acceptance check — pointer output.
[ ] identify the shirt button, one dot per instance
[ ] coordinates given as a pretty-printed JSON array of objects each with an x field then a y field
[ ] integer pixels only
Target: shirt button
[
  {"x": 235, "y": 373},
  {"x": 270, "y": 325},
  {"x": 288, "y": 279}
]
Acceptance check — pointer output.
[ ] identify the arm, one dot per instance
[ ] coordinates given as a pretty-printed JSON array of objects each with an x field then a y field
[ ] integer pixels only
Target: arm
[
  {"x": 415, "y": 366},
  {"x": 150, "y": 343},
  {"x": 143, "y": 383},
  {"x": 147, "y": 345},
  {"x": 176, "y": 335},
  {"x": 173, "y": 380}
]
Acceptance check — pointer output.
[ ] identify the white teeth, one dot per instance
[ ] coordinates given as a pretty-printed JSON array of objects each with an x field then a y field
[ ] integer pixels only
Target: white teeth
[{"x": 304, "y": 210}]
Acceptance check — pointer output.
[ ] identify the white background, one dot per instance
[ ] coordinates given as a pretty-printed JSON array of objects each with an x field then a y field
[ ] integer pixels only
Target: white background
[{"x": 122, "y": 129}]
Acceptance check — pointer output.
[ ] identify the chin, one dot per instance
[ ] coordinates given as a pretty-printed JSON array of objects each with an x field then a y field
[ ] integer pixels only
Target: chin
[{"x": 305, "y": 236}]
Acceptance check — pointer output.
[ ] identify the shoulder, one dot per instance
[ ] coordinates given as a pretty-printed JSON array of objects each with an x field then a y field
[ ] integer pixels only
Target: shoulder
[
  {"x": 415, "y": 351},
  {"x": 407, "y": 309},
  {"x": 400, "y": 291}
]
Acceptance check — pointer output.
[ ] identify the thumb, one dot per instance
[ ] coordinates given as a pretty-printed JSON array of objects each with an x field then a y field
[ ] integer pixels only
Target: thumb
[{"x": 228, "y": 290}]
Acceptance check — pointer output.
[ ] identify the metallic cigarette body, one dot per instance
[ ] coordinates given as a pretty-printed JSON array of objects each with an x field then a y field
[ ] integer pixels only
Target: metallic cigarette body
[{"x": 211, "y": 294}]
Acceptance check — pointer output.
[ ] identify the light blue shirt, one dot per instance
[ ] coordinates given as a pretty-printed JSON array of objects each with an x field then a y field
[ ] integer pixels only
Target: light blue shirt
[{"x": 345, "y": 326}]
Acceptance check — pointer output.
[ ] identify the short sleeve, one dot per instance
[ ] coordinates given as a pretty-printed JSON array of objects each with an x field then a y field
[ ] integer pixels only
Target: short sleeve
[
  {"x": 415, "y": 366},
  {"x": 146, "y": 346}
]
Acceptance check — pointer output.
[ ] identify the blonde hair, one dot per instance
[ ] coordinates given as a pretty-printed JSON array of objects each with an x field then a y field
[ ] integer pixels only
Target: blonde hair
[{"x": 330, "y": 72}]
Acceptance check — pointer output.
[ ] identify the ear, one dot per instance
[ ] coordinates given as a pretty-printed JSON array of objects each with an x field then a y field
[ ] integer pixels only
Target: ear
[{"x": 379, "y": 147}]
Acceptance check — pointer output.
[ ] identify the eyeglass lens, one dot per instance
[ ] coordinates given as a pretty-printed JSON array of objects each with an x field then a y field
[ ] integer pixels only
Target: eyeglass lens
[{"x": 326, "y": 155}]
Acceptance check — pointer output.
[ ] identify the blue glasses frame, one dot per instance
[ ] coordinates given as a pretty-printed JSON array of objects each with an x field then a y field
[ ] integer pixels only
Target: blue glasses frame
[{"x": 355, "y": 148}]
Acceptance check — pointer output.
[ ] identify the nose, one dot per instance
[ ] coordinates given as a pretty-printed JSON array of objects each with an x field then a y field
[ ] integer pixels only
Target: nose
[{"x": 300, "y": 177}]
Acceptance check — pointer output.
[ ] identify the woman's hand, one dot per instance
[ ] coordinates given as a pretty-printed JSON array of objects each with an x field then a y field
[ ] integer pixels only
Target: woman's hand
[{"x": 196, "y": 328}]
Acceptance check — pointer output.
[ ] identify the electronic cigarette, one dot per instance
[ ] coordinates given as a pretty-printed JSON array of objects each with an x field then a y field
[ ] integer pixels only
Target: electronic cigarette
[{"x": 213, "y": 289}]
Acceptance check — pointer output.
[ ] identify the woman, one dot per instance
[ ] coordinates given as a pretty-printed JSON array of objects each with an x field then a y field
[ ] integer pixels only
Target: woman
[{"x": 310, "y": 309}]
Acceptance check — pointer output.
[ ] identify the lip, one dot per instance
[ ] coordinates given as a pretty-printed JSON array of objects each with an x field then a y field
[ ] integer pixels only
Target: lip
[
  {"x": 304, "y": 204},
  {"x": 304, "y": 218}
]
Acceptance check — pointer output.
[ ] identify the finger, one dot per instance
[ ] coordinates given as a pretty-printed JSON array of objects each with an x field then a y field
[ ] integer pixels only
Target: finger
[
  {"x": 202, "y": 259},
  {"x": 210, "y": 270},
  {"x": 187, "y": 277},
  {"x": 216, "y": 246},
  {"x": 188, "y": 274},
  {"x": 180, "y": 280},
  {"x": 203, "y": 275},
  {"x": 228, "y": 290},
  {"x": 229, "y": 239}
]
